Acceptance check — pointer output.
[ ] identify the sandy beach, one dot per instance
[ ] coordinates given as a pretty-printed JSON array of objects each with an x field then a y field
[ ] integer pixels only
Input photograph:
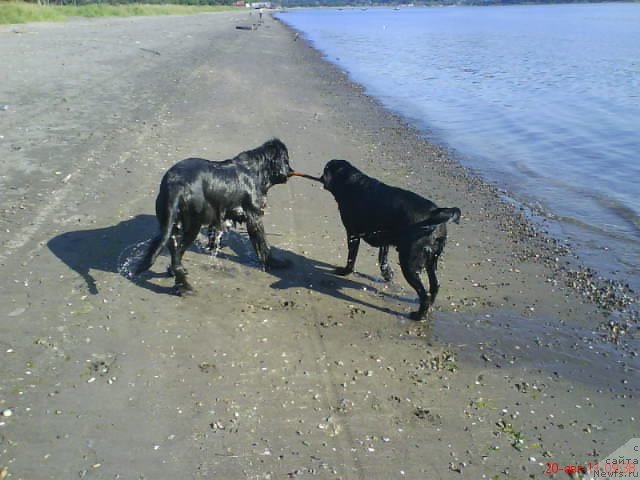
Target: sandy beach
[{"x": 527, "y": 361}]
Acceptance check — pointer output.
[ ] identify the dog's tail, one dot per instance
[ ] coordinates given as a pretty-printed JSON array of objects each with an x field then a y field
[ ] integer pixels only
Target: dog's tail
[
  {"x": 159, "y": 241},
  {"x": 438, "y": 216},
  {"x": 424, "y": 229}
]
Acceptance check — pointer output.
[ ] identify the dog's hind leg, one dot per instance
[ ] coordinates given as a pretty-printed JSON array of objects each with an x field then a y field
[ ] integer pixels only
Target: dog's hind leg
[
  {"x": 383, "y": 261},
  {"x": 166, "y": 213},
  {"x": 175, "y": 240},
  {"x": 353, "y": 244},
  {"x": 150, "y": 255},
  {"x": 178, "y": 246},
  {"x": 431, "y": 265},
  {"x": 412, "y": 260},
  {"x": 434, "y": 286}
]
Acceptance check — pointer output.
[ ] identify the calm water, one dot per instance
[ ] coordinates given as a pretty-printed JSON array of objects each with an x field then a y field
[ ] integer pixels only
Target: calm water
[{"x": 542, "y": 100}]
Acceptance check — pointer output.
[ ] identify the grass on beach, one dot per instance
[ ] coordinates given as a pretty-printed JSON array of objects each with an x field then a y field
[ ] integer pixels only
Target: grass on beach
[{"x": 19, "y": 12}]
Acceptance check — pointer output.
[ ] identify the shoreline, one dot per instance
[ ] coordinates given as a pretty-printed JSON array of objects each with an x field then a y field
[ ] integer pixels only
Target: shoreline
[
  {"x": 600, "y": 231},
  {"x": 614, "y": 297},
  {"x": 284, "y": 374}
]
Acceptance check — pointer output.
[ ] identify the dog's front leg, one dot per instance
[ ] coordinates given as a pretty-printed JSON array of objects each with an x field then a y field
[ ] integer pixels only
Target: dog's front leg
[
  {"x": 353, "y": 244},
  {"x": 257, "y": 204},
  {"x": 255, "y": 228}
]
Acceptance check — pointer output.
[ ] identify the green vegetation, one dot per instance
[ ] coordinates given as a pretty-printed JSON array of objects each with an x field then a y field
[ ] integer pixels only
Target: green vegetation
[
  {"x": 517, "y": 437},
  {"x": 11, "y": 12},
  {"x": 59, "y": 10},
  {"x": 20, "y": 12}
]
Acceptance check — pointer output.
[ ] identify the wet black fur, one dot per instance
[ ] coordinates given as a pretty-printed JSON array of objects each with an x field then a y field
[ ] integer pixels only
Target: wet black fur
[
  {"x": 385, "y": 216},
  {"x": 196, "y": 192}
]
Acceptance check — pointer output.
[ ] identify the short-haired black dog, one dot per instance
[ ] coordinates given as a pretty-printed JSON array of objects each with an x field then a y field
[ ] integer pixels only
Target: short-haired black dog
[
  {"x": 196, "y": 192},
  {"x": 386, "y": 216}
]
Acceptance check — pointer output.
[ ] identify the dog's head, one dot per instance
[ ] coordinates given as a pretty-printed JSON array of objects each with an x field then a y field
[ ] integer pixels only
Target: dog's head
[
  {"x": 337, "y": 173},
  {"x": 277, "y": 160}
]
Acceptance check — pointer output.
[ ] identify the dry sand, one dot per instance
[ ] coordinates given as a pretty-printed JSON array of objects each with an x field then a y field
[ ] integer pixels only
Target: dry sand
[{"x": 290, "y": 374}]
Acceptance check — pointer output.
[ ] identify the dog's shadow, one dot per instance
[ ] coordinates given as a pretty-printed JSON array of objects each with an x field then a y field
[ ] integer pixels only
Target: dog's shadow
[
  {"x": 117, "y": 249},
  {"x": 309, "y": 273},
  {"x": 109, "y": 249}
]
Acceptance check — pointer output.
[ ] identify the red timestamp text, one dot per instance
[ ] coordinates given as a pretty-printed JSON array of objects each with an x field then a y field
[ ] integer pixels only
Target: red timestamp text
[{"x": 605, "y": 469}]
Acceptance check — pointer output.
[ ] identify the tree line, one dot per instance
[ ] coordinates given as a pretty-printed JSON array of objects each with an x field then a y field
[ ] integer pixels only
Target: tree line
[
  {"x": 373, "y": 3},
  {"x": 128, "y": 2},
  {"x": 309, "y": 3}
]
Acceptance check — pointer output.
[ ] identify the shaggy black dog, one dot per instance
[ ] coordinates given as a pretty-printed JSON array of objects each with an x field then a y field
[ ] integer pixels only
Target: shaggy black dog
[
  {"x": 196, "y": 192},
  {"x": 382, "y": 216}
]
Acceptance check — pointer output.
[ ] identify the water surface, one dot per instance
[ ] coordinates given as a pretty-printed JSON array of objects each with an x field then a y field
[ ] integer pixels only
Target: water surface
[{"x": 542, "y": 100}]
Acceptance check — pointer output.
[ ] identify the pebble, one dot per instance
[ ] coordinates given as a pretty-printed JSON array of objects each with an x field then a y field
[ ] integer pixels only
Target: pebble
[
  {"x": 7, "y": 412},
  {"x": 17, "y": 311}
]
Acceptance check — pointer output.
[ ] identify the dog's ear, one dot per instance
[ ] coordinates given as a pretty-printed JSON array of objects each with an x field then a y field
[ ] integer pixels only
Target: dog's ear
[{"x": 275, "y": 148}]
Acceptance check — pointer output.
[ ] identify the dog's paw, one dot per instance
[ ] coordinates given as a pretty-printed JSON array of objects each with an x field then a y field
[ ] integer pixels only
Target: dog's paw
[
  {"x": 342, "y": 271},
  {"x": 184, "y": 290},
  {"x": 418, "y": 315},
  {"x": 387, "y": 273},
  {"x": 172, "y": 273}
]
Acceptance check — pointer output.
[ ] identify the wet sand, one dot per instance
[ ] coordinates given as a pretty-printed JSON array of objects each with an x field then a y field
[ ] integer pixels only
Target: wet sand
[{"x": 286, "y": 374}]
